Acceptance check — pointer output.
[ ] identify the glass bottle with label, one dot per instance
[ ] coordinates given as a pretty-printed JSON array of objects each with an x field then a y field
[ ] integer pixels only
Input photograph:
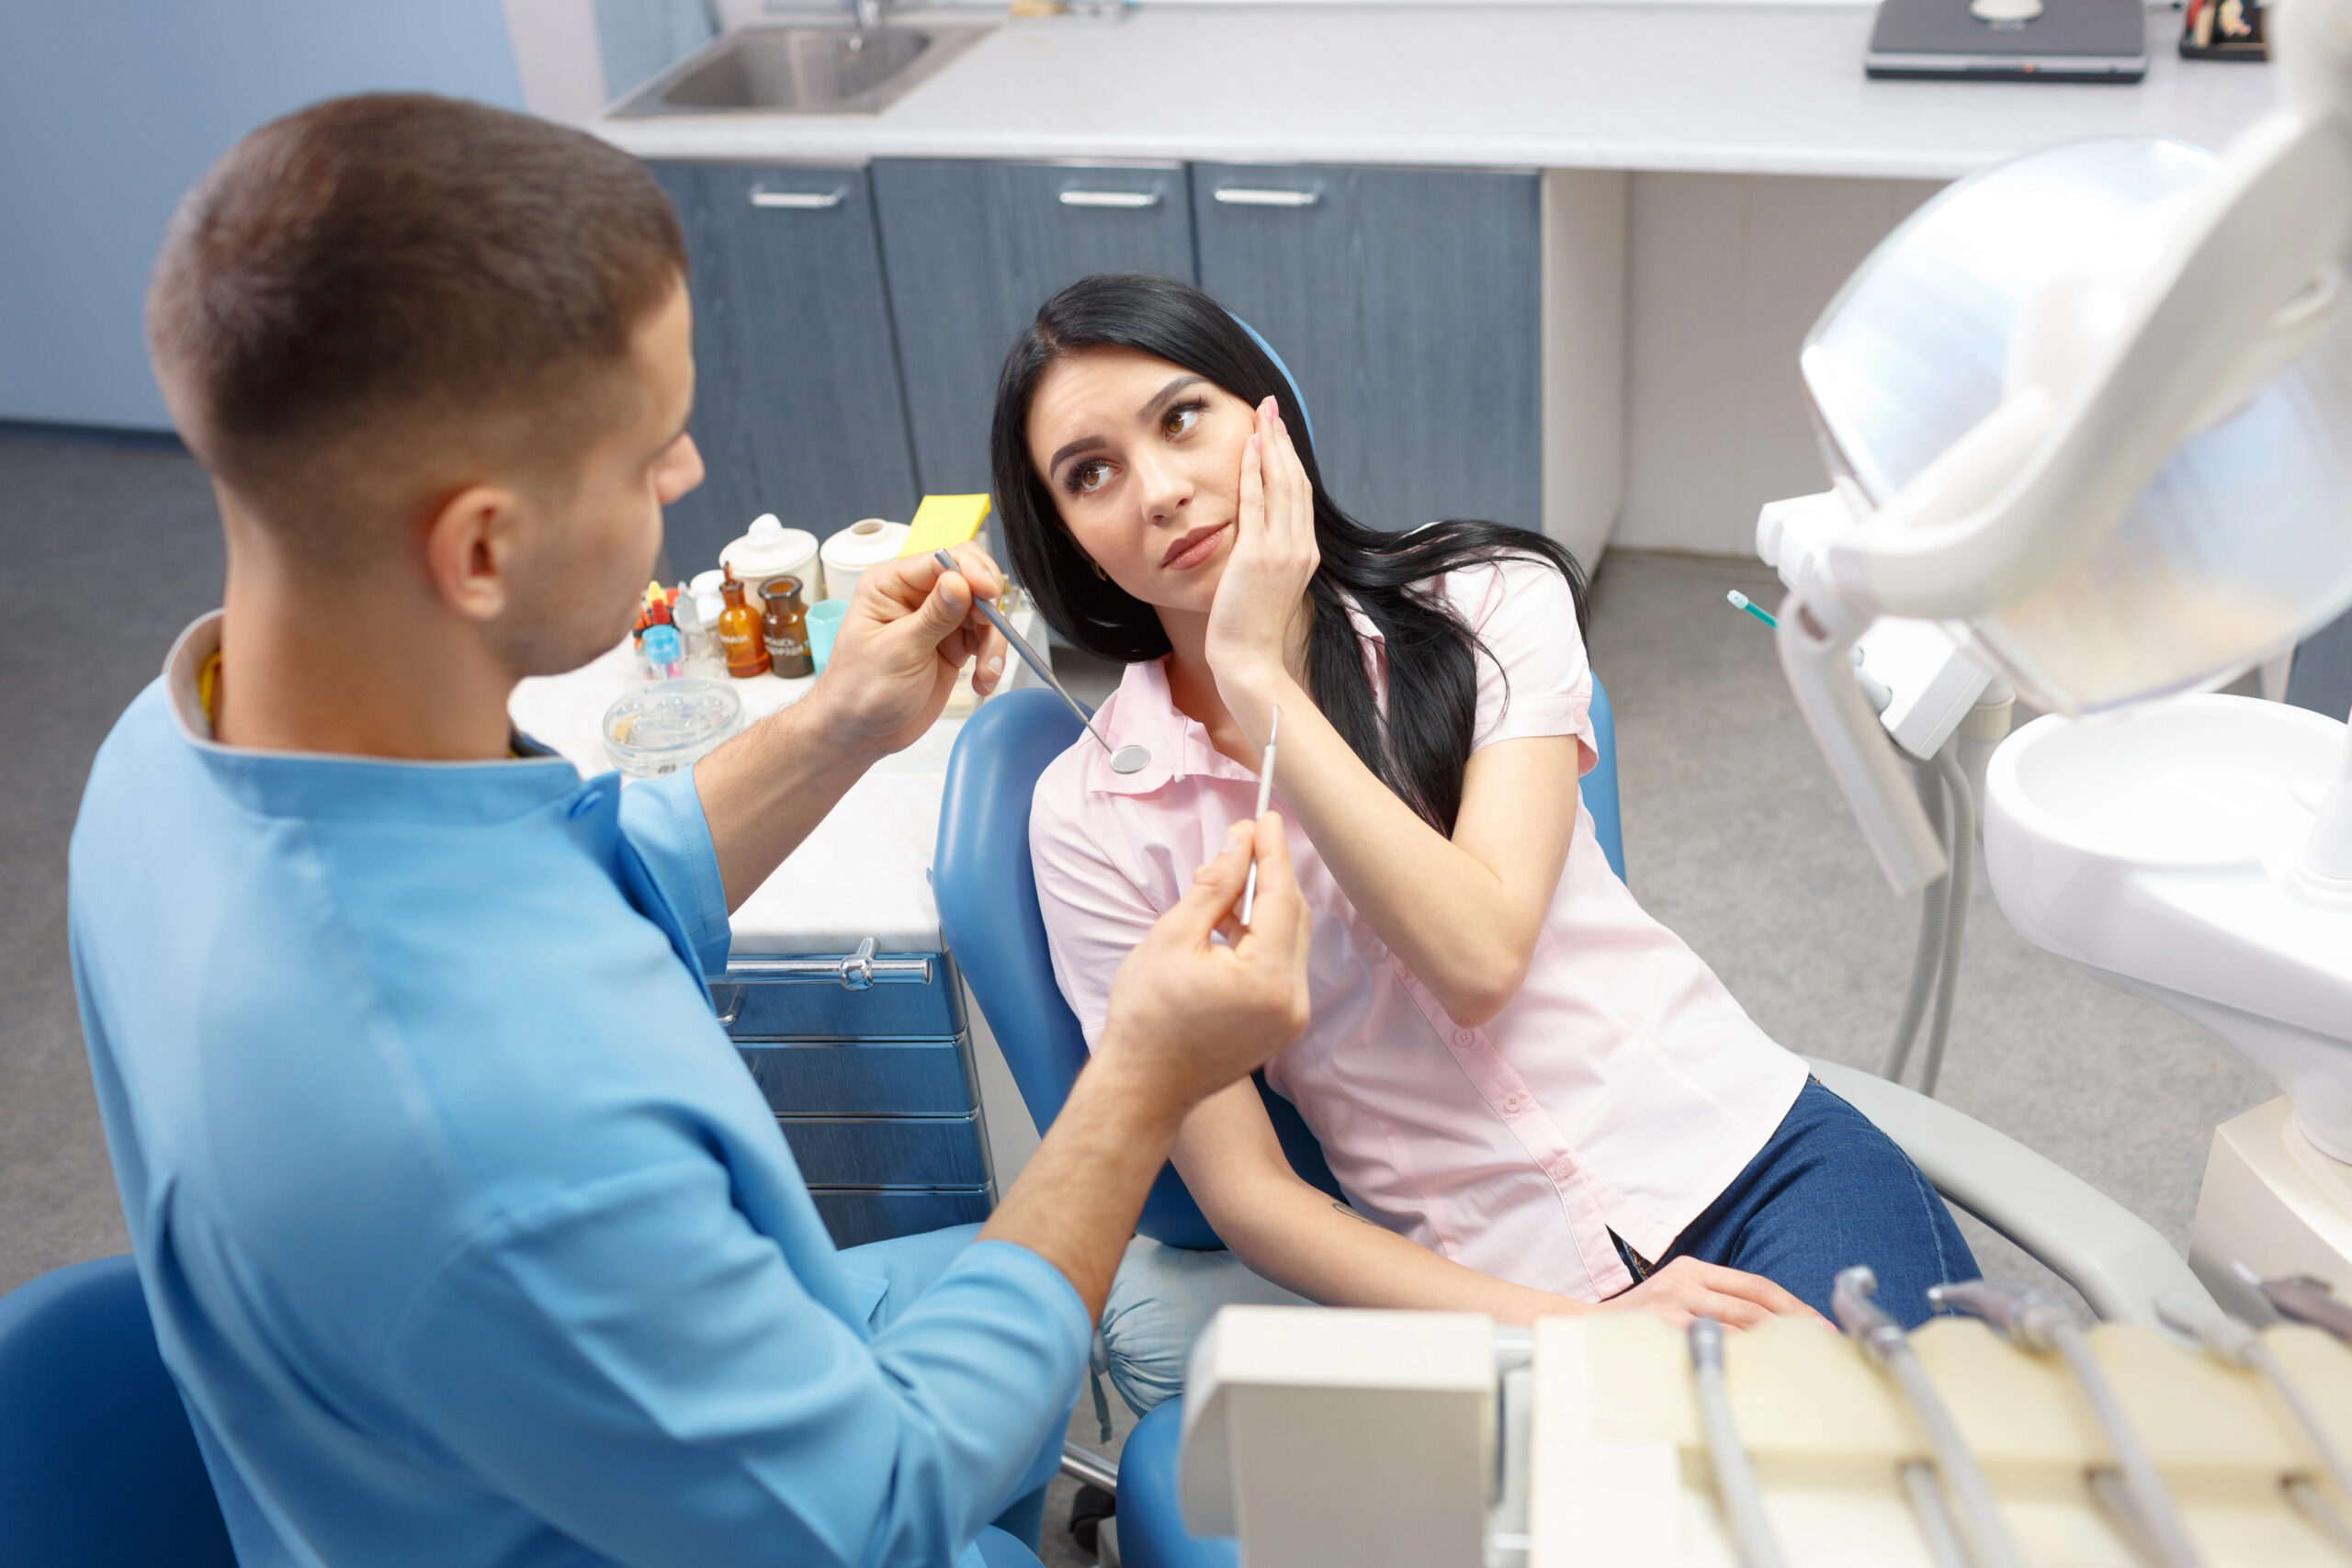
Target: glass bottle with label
[
  {"x": 739, "y": 634},
  {"x": 786, "y": 626}
]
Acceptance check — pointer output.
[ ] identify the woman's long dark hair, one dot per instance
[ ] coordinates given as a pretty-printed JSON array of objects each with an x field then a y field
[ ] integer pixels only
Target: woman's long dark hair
[{"x": 1423, "y": 745}]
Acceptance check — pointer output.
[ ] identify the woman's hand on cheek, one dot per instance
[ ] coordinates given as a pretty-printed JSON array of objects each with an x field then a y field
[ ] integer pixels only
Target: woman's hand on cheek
[{"x": 1260, "y": 616}]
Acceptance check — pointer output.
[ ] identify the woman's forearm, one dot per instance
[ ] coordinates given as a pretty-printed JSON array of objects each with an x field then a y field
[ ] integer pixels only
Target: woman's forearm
[
  {"x": 1464, "y": 925},
  {"x": 1307, "y": 1242}
]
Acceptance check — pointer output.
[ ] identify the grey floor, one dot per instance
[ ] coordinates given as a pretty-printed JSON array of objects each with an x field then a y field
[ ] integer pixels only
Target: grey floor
[{"x": 1733, "y": 835}]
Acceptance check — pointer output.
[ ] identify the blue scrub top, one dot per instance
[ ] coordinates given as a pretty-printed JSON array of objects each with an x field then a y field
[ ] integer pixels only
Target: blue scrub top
[{"x": 467, "y": 1235}]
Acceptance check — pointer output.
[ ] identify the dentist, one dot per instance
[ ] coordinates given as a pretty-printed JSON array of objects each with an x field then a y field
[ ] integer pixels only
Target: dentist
[{"x": 466, "y": 1237}]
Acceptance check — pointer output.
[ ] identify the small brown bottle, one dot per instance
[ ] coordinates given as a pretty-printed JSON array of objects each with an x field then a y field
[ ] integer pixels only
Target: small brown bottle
[
  {"x": 786, "y": 626},
  {"x": 739, "y": 633}
]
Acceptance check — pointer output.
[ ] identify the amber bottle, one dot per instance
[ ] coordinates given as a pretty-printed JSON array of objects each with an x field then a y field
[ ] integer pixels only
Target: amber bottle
[
  {"x": 786, "y": 626},
  {"x": 740, "y": 633}
]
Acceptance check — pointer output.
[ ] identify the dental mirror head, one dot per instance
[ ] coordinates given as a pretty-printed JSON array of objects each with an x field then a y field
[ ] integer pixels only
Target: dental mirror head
[{"x": 1128, "y": 758}]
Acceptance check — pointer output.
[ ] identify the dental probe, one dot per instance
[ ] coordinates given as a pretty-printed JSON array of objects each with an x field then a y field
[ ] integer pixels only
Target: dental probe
[
  {"x": 2035, "y": 1320},
  {"x": 2232, "y": 1343},
  {"x": 1265, "y": 798},
  {"x": 1884, "y": 1341},
  {"x": 2302, "y": 1299},
  {"x": 1751, "y": 1532},
  {"x": 1129, "y": 758}
]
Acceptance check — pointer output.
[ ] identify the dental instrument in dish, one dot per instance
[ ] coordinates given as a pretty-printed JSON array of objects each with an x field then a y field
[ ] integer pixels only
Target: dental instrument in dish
[
  {"x": 1743, "y": 1500},
  {"x": 2228, "y": 1341},
  {"x": 1129, "y": 758},
  {"x": 1265, "y": 798},
  {"x": 1866, "y": 1322},
  {"x": 2035, "y": 1320}
]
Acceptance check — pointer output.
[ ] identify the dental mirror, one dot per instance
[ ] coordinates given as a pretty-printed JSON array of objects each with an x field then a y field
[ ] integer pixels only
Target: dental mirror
[{"x": 1128, "y": 759}]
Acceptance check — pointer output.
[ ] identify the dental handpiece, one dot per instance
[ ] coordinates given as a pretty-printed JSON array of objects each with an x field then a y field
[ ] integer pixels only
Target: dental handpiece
[
  {"x": 1884, "y": 1341},
  {"x": 2035, "y": 1320},
  {"x": 2228, "y": 1341},
  {"x": 2299, "y": 1298},
  {"x": 1265, "y": 798},
  {"x": 1751, "y": 1532},
  {"x": 1124, "y": 759}
]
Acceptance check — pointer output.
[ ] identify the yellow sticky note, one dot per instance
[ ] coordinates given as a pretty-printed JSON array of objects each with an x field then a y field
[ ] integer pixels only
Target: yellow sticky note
[{"x": 943, "y": 522}]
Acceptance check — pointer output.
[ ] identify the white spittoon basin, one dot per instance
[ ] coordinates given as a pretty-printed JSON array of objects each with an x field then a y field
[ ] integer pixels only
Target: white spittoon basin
[{"x": 2160, "y": 849}]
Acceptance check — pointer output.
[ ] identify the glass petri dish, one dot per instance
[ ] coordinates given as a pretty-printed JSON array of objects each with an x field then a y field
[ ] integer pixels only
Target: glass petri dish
[{"x": 658, "y": 730}]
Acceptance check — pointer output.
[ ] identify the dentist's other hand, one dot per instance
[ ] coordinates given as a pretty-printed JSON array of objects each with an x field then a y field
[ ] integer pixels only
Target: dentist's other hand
[
  {"x": 1190, "y": 1014},
  {"x": 912, "y": 624},
  {"x": 1259, "y": 619}
]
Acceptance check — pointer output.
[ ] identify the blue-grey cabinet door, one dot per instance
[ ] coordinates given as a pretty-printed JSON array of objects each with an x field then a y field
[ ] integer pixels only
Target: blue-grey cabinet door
[
  {"x": 973, "y": 249},
  {"x": 797, "y": 403},
  {"x": 1408, "y": 303}
]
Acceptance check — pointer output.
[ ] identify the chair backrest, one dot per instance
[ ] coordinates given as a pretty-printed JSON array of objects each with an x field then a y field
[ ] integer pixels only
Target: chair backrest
[
  {"x": 987, "y": 892},
  {"x": 99, "y": 1466}
]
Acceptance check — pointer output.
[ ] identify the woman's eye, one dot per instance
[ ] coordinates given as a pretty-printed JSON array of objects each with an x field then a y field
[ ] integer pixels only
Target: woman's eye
[
  {"x": 1182, "y": 419},
  {"x": 1088, "y": 475}
]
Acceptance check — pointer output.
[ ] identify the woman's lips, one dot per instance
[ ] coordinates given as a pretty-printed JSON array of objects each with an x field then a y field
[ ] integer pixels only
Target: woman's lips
[{"x": 1193, "y": 548}]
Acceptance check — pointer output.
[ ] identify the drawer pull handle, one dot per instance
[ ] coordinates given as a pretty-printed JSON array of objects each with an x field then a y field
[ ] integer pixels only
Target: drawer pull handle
[
  {"x": 798, "y": 200},
  {"x": 859, "y": 971},
  {"x": 1129, "y": 198},
  {"x": 1252, "y": 196}
]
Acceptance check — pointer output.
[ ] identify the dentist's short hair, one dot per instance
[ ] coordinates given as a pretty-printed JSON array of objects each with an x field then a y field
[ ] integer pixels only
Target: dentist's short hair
[{"x": 376, "y": 288}]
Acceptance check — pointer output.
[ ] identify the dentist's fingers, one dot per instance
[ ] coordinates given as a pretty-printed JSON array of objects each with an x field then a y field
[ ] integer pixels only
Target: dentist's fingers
[{"x": 1216, "y": 888}]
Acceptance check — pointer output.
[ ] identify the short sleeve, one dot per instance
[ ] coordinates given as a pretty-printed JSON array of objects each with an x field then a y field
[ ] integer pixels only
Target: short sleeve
[
  {"x": 664, "y": 823},
  {"x": 1094, "y": 912},
  {"x": 1533, "y": 675}
]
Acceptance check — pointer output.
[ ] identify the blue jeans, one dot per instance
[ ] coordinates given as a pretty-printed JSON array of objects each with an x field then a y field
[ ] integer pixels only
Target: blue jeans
[
  {"x": 1827, "y": 1191},
  {"x": 913, "y": 1264}
]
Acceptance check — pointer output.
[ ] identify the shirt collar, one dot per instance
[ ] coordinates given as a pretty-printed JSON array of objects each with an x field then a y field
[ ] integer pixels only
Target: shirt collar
[
  {"x": 325, "y": 785},
  {"x": 1143, "y": 712}
]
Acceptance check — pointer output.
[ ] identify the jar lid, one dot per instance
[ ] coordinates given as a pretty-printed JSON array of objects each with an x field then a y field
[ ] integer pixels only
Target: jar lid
[
  {"x": 657, "y": 730},
  {"x": 769, "y": 548}
]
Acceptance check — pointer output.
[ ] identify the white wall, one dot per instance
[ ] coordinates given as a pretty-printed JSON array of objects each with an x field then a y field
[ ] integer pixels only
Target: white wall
[
  {"x": 109, "y": 110},
  {"x": 1726, "y": 274}
]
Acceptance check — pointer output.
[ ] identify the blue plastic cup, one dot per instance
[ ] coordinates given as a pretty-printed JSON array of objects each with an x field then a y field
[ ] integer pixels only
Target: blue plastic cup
[{"x": 824, "y": 625}]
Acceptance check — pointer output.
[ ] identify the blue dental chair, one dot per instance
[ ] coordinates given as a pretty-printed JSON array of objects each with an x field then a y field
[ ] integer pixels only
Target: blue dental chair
[
  {"x": 987, "y": 892},
  {"x": 99, "y": 1466}
]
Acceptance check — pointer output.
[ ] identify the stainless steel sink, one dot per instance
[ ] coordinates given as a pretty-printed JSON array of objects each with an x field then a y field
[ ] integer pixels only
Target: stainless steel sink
[{"x": 801, "y": 70}]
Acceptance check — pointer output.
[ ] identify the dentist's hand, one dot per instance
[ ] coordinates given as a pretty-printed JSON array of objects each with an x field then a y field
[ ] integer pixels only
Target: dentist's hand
[
  {"x": 1189, "y": 1015},
  {"x": 911, "y": 627},
  {"x": 1259, "y": 619}
]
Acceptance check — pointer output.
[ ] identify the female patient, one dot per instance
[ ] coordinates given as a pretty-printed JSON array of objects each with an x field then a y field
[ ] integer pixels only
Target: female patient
[{"x": 1534, "y": 1096}]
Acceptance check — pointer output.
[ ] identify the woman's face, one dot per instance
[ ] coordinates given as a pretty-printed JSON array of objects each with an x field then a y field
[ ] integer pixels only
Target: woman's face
[{"x": 1144, "y": 461}]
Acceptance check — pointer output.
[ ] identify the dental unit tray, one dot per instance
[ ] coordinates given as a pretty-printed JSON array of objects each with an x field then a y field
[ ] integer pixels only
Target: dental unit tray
[{"x": 1331, "y": 1437}]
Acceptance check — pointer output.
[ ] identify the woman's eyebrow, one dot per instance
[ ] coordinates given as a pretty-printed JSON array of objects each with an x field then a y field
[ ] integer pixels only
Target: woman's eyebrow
[
  {"x": 1160, "y": 399},
  {"x": 1071, "y": 449}
]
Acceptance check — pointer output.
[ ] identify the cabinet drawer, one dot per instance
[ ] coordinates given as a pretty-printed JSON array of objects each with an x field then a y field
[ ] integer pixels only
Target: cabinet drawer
[
  {"x": 856, "y": 1215},
  {"x": 895, "y": 1006},
  {"x": 884, "y": 1151},
  {"x": 915, "y": 1078}
]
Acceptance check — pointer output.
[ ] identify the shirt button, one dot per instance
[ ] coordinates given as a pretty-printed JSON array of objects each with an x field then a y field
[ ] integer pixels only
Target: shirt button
[
  {"x": 1510, "y": 1102},
  {"x": 1462, "y": 1037}
]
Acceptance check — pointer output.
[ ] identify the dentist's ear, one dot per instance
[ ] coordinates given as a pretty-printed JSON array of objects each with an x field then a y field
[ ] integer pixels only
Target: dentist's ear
[{"x": 468, "y": 546}]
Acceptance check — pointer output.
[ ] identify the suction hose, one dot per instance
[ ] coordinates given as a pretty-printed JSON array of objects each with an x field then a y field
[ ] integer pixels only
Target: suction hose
[{"x": 1950, "y": 803}]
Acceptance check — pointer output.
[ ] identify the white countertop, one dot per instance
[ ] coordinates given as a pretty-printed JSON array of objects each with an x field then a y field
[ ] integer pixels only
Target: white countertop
[
  {"x": 1728, "y": 88},
  {"x": 865, "y": 869}
]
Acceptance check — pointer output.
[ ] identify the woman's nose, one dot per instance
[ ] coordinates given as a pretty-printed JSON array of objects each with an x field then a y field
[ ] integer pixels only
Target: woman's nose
[{"x": 1162, "y": 488}]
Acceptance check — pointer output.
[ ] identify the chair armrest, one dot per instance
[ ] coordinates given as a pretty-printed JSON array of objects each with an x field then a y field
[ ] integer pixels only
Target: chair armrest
[{"x": 2112, "y": 1255}]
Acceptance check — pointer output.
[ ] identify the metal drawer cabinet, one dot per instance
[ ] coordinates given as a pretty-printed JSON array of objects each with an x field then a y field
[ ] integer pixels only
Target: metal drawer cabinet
[{"x": 866, "y": 1060}]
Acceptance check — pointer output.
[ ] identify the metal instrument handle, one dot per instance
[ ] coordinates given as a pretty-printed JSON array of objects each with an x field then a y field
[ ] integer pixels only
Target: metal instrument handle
[
  {"x": 798, "y": 200},
  {"x": 858, "y": 971},
  {"x": 1129, "y": 198},
  {"x": 1252, "y": 195}
]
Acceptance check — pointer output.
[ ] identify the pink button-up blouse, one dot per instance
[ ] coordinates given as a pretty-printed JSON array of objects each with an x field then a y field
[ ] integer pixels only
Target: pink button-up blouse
[{"x": 1622, "y": 1087}]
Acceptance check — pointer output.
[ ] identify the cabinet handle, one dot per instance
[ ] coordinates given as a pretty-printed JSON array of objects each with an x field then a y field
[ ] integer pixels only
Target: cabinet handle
[
  {"x": 1110, "y": 198},
  {"x": 1252, "y": 196},
  {"x": 798, "y": 200},
  {"x": 858, "y": 971}
]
